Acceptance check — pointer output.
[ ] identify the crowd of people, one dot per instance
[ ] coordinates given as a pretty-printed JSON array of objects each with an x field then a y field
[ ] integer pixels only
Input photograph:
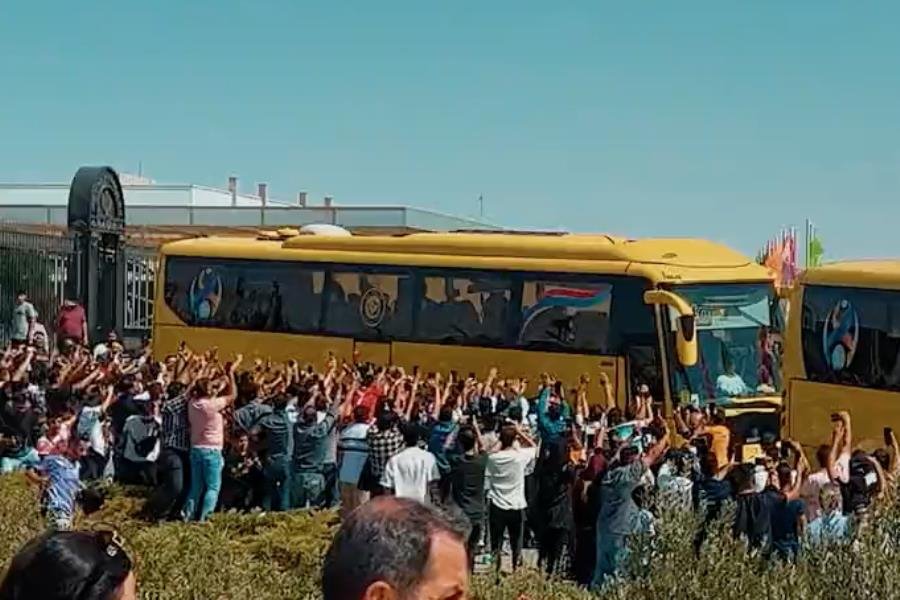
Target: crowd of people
[{"x": 527, "y": 464}]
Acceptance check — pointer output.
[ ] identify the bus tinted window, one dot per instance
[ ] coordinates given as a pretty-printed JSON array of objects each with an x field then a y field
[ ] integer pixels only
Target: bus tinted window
[
  {"x": 369, "y": 305},
  {"x": 244, "y": 294},
  {"x": 554, "y": 313},
  {"x": 464, "y": 309},
  {"x": 565, "y": 315},
  {"x": 851, "y": 336}
]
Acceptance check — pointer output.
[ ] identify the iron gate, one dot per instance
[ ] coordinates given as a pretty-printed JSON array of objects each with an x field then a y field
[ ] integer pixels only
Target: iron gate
[
  {"x": 40, "y": 265},
  {"x": 140, "y": 273}
]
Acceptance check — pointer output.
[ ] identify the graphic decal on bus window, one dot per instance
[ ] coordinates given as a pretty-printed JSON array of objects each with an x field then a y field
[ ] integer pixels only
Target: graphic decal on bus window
[
  {"x": 840, "y": 335},
  {"x": 373, "y": 307},
  {"x": 205, "y": 294},
  {"x": 567, "y": 314}
]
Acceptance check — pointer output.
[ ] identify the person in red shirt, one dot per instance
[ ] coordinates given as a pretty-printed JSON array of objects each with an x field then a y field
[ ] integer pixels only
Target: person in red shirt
[{"x": 71, "y": 322}]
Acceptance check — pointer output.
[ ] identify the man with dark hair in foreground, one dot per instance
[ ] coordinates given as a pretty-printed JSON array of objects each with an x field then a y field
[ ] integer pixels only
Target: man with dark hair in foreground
[{"x": 397, "y": 549}]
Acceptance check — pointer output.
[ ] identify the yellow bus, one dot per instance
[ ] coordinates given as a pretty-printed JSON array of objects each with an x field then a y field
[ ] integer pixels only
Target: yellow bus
[
  {"x": 842, "y": 351},
  {"x": 689, "y": 318}
]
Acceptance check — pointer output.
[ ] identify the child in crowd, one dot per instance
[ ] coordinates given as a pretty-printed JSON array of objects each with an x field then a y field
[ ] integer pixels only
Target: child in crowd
[{"x": 58, "y": 476}]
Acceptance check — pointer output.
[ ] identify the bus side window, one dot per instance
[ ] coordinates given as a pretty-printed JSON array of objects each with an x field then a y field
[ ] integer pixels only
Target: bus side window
[
  {"x": 851, "y": 336},
  {"x": 340, "y": 318},
  {"x": 566, "y": 315},
  {"x": 462, "y": 309},
  {"x": 368, "y": 305}
]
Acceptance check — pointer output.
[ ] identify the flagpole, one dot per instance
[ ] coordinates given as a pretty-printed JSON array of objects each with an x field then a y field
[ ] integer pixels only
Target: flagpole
[{"x": 808, "y": 241}]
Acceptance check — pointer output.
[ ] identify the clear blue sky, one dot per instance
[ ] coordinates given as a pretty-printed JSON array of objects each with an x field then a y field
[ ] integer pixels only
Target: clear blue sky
[{"x": 718, "y": 119}]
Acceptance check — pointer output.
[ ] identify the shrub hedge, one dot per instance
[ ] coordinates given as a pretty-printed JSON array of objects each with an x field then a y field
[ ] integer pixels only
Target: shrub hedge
[{"x": 278, "y": 557}]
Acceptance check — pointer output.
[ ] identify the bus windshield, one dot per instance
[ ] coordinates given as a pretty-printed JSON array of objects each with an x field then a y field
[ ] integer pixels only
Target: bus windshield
[{"x": 739, "y": 339}]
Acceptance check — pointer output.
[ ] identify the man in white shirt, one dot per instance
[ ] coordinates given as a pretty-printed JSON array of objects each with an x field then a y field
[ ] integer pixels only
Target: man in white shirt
[
  {"x": 730, "y": 384},
  {"x": 505, "y": 484},
  {"x": 409, "y": 472},
  {"x": 90, "y": 430}
]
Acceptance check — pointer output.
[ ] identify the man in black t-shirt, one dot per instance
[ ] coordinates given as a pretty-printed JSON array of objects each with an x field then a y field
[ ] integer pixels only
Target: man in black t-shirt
[
  {"x": 753, "y": 511},
  {"x": 467, "y": 485},
  {"x": 125, "y": 405}
]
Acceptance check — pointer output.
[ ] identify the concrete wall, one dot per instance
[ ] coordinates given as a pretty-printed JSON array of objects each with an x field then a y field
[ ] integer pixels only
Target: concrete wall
[{"x": 42, "y": 195}]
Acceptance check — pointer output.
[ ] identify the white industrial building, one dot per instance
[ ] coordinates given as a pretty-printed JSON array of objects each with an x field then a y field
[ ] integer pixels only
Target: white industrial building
[{"x": 152, "y": 204}]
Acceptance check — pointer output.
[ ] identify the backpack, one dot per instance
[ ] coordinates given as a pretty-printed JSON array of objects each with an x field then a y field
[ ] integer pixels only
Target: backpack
[
  {"x": 861, "y": 486},
  {"x": 145, "y": 445}
]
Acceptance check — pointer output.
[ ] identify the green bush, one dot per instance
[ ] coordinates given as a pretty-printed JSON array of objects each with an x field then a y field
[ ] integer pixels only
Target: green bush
[{"x": 273, "y": 557}]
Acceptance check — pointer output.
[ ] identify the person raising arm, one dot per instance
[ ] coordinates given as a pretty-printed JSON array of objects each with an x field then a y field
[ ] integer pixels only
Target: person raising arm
[
  {"x": 841, "y": 440},
  {"x": 792, "y": 491},
  {"x": 609, "y": 398},
  {"x": 505, "y": 484},
  {"x": 207, "y": 426}
]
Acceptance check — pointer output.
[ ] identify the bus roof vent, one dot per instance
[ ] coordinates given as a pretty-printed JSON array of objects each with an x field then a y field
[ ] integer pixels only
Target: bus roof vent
[
  {"x": 324, "y": 229},
  {"x": 282, "y": 234}
]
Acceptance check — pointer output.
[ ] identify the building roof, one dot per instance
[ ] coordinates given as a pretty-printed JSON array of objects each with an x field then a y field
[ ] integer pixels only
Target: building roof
[{"x": 149, "y": 204}]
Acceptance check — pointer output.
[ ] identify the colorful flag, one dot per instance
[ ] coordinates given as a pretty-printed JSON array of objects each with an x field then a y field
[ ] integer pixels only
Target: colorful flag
[
  {"x": 815, "y": 251},
  {"x": 780, "y": 256},
  {"x": 789, "y": 259}
]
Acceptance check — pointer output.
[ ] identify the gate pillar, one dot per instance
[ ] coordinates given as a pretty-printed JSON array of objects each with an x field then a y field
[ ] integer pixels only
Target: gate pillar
[{"x": 97, "y": 220}]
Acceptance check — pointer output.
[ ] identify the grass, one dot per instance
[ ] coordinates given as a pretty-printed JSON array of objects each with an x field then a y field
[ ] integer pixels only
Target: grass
[{"x": 278, "y": 557}]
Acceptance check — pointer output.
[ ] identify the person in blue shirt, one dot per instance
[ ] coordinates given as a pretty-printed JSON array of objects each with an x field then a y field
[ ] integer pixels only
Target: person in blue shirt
[
  {"x": 310, "y": 444},
  {"x": 276, "y": 431},
  {"x": 832, "y": 526},
  {"x": 58, "y": 475},
  {"x": 442, "y": 436},
  {"x": 441, "y": 443},
  {"x": 553, "y": 414}
]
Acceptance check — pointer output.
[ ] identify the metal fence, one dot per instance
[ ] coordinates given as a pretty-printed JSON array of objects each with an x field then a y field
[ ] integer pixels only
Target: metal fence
[
  {"x": 140, "y": 273},
  {"x": 38, "y": 264}
]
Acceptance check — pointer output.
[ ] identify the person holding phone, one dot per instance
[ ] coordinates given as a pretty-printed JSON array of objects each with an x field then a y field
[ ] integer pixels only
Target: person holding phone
[
  {"x": 787, "y": 509},
  {"x": 889, "y": 459},
  {"x": 841, "y": 446},
  {"x": 811, "y": 490}
]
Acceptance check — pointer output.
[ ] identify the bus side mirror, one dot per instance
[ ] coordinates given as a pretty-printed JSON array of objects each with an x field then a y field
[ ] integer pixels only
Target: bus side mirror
[{"x": 686, "y": 334}]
